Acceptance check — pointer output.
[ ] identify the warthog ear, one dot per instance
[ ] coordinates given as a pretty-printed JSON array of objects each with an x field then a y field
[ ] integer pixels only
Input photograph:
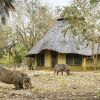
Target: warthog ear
[{"x": 25, "y": 76}]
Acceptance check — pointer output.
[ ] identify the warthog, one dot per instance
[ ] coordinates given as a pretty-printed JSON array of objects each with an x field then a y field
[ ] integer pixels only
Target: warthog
[
  {"x": 20, "y": 80},
  {"x": 61, "y": 68}
]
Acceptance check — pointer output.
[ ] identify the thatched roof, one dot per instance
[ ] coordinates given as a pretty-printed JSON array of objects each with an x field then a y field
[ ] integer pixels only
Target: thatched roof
[{"x": 54, "y": 40}]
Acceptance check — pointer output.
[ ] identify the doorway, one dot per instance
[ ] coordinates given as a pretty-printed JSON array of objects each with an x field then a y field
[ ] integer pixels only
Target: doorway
[
  {"x": 40, "y": 59},
  {"x": 54, "y": 56}
]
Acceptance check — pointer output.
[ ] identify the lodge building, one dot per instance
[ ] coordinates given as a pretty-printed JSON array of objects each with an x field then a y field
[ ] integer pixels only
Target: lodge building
[{"x": 56, "y": 47}]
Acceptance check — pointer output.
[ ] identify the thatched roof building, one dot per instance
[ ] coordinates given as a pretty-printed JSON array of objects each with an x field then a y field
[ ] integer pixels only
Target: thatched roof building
[
  {"x": 55, "y": 48},
  {"x": 55, "y": 40}
]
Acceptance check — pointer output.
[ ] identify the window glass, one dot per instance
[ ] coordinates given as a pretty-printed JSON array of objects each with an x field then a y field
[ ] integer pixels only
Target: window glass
[
  {"x": 69, "y": 59},
  {"x": 74, "y": 59},
  {"x": 77, "y": 59}
]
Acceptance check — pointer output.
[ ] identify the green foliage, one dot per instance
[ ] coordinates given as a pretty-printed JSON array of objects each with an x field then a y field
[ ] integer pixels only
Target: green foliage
[
  {"x": 25, "y": 34},
  {"x": 82, "y": 18},
  {"x": 94, "y": 1},
  {"x": 19, "y": 54},
  {"x": 77, "y": 26},
  {"x": 2, "y": 53},
  {"x": 17, "y": 58},
  {"x": 71, "y": 12}
]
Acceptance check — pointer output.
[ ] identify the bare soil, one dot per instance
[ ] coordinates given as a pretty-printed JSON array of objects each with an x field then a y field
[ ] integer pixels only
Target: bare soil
[{"x": 47, "y": 86}]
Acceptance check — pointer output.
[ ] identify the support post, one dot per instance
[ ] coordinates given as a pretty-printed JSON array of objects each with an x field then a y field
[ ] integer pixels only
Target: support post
[
  {"x": 47, "y": 59},
  {"x": 84, "y": 64}
]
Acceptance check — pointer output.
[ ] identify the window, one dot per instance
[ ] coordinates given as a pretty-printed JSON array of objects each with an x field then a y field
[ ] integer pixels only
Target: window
[
  {"x": 40, "y": 59},
  {"x": 69, "y": 59},
  {"x": 74, "y": 59},
  {"x": 77, "y": 60}
]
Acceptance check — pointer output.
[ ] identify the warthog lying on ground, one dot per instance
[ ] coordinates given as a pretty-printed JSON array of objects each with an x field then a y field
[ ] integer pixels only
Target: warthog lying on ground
[
  {"x": 61, "y": 68},
  {"x": 20, "y": 80}
]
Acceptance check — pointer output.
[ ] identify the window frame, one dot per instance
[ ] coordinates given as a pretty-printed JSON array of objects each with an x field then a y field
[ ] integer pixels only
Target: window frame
[{"x": 73, "y": 59}]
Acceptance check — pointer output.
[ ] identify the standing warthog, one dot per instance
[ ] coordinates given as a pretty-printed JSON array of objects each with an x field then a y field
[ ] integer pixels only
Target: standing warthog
[
  {"x": 20, "y": 80},
  {"x": 61, "y": 68}
]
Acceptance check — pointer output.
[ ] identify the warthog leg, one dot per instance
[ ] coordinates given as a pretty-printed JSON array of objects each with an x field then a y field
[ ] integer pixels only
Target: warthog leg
[
  {"x": 57, "y": 72},
  {"x": 20, "y": 85},
  {"x": 54, "y": 72},
  {"x": 62, "y": 73},
  {"x": 17, "y": 87}
]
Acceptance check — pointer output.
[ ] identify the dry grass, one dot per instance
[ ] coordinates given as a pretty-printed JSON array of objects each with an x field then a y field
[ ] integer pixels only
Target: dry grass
[{"x": 47, "y": 86}]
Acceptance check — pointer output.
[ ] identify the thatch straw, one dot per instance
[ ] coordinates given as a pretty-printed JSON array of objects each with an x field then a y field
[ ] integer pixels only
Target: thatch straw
[{"x": 55, "y": 40}]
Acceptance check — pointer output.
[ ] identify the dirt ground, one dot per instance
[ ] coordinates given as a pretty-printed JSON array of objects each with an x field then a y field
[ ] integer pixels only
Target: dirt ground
[{"x": 47, "y": 86}]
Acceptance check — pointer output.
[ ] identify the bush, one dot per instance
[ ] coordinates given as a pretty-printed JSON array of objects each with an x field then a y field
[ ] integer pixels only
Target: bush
[
  {"x": 17, "y": 58},
  {"x": 2, "y": 53}
]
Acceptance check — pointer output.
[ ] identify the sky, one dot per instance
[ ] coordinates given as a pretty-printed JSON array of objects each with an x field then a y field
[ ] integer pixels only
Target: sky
[{"x": 53, "y": 3}]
